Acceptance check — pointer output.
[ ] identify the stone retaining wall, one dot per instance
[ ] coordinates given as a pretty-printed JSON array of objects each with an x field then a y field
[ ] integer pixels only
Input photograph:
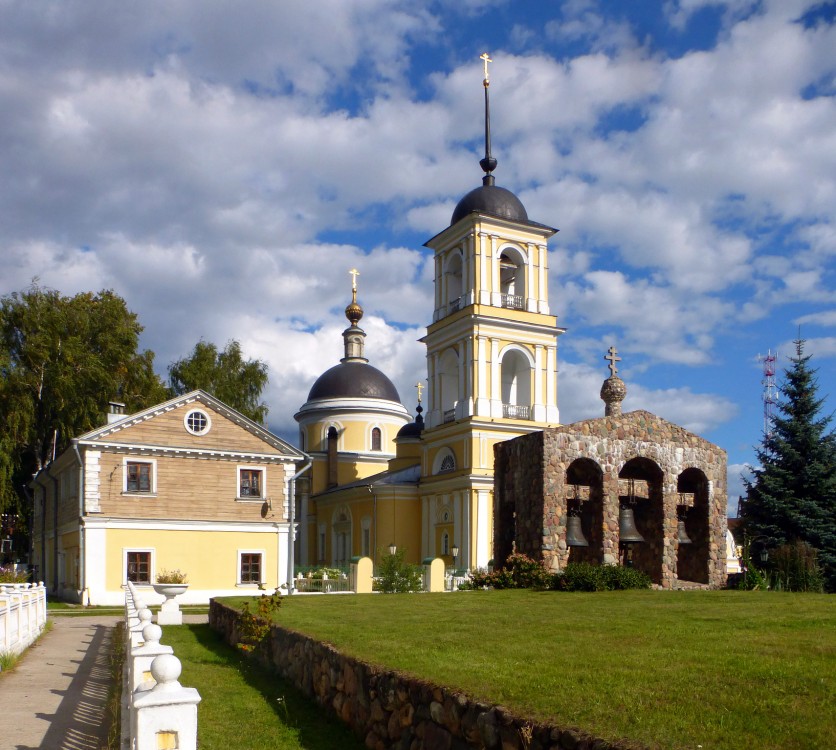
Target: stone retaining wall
[{"x": 390, "y": 710}]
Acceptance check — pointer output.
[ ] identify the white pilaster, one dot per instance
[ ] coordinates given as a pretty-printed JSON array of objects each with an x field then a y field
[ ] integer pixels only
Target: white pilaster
[{"x": 496, "y": 384}]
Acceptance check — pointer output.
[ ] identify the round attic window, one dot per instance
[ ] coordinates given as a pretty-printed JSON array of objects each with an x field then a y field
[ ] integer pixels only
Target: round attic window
[{"x": 197, "y": 422}]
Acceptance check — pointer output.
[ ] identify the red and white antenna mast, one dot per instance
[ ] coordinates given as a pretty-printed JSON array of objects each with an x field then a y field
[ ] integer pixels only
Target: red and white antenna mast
[{"x": 770, "y": 391}]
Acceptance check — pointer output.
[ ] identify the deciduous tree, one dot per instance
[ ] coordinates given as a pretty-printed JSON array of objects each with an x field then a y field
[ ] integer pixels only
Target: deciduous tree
[
  {"x": 61, "y": 360},
  {"x": 225, "y": 374}
]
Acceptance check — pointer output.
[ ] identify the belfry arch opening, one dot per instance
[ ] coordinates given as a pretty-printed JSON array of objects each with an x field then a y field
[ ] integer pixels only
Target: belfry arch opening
[
  {"x": 640, "y": 494},
  {"x": 454, "y": 283},
  {"x": 692, "y": 511},
  {"x": 585, "y": 501},
  {"x": 516, "y": 385},
  {"x": 448, "y": 380},
  {"x": 512, "y": 279}
]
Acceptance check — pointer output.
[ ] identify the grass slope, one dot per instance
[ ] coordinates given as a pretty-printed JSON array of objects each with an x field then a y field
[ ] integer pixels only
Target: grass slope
[
  {"x": 244, "y": 707},
  {"x": 669, "y": 669}
]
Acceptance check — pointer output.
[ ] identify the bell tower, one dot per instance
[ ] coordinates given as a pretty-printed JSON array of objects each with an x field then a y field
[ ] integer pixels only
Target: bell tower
[{"x": 491, "y": 352}]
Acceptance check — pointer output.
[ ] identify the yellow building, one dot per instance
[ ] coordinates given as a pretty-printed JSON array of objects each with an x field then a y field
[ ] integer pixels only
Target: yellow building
[
  {"x": 189, "y": 484},
  {"x": 491, "y": 374}
]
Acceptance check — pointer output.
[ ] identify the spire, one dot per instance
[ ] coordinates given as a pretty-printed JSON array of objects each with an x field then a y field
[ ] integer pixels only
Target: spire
[
  {"x": 488, "y": 164},
  {"x": 353, "y": 335}
]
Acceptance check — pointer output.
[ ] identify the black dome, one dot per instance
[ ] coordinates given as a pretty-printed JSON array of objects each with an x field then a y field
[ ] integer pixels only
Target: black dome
[
  {"x": 493, "y": 200},
  {"x": 354, "y": 380},
  {"x": 411, "y": 430}
]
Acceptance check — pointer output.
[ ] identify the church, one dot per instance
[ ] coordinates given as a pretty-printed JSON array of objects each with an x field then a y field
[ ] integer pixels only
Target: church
[
  {"x": 382, "y": 480},
  {"x": 424, "y": 484}
]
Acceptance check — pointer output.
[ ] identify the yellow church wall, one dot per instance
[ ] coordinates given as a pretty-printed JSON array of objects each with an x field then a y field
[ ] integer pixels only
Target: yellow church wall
[{"x": 209, "y": 558}]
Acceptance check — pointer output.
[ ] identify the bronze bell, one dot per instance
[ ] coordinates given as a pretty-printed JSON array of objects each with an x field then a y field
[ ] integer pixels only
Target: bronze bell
[
  {"x": 574, "y": 533},
  {"x": 682, "y": 535},
  {"x": 627, "y": 531}
]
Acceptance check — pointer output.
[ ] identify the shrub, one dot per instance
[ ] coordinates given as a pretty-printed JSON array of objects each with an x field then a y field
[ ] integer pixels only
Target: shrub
[
  {"x": 751, "y": 578},
  {"x": 519, "y": 572},
  {"x": 10, "y": 575},
  {"x": 171, "y": 576},
  {"x": 588, "y": 577},
  {"x": 254, "y": 627},
  {"x": 320, "y": 573},
  {"x": 794, "y": 567},
  {"x": 396, "y": 576}
]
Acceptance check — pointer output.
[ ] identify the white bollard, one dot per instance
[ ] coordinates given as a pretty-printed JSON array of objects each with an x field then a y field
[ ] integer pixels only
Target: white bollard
[{"x": 166, "y": 715}]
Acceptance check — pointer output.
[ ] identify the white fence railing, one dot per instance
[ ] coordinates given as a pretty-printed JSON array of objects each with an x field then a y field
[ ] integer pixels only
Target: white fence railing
[
  {"x": 22, "y": 615},
  {"x": 157, "y": 711}
]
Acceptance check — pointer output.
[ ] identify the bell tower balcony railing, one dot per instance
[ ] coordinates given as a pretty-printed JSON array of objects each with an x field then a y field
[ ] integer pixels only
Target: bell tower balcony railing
[
  {"x": 516, "y": 411},
  {"x": 450, "y": 415},
  {"x": 454, "y": 305},
  {"x": 512, "y": 301}
]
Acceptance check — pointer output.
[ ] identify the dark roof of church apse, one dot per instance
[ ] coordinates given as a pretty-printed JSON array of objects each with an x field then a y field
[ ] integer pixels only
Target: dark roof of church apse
[{"x": 353, "y": 380}]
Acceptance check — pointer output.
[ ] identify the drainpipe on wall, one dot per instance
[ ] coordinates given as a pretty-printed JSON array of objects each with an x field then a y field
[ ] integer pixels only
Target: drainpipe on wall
[
  {"x": 82, "y": 567},
  {"x": 291, "y": 495}
]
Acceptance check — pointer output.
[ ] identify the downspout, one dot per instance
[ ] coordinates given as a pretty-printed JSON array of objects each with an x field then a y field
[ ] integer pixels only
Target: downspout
[
  {"x": 291, "y": 496},
  {"x": 82, "y": 567}
]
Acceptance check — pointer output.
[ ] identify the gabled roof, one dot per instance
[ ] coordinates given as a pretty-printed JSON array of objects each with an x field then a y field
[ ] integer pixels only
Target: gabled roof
[{"x": 194, "y": 397}]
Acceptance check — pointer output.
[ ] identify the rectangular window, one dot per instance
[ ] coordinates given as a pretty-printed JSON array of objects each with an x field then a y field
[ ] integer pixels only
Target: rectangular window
[
  {"x": 139, "y": 567},
  {"x": 250, "y": 483},
  {"x": 138, "y": 477},
  {"x": 250, "y": 567}
]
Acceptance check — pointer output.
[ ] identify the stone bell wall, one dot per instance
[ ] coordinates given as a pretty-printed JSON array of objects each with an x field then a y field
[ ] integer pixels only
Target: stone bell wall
[
  {"x": 532, "y": 492},
  {"x": 391, "y": 710}
]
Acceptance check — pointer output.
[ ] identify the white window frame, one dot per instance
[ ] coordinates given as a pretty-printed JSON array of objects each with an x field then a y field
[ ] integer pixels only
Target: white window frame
[
  {"x": 139, "y": 460},
  {"x": 152, "y": 565},
  {"x": 372, "y": 449},
  {"x": 203, "y": 414},
  {"x": 248, "y": 498},
  {"x": 241, "y": 552}
]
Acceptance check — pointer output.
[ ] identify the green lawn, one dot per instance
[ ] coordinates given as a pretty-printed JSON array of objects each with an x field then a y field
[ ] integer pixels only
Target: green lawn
[
  {"x": 721, "y": 669},
  {"x": 244, "y": 707}
]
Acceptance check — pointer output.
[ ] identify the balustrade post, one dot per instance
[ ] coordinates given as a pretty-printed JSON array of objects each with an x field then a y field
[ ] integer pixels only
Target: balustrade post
[{"x": 166, "y": 715}]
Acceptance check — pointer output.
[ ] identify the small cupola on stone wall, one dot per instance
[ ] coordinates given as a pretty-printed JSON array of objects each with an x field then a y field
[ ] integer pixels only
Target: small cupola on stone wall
[{"x": 613, "y": 390}]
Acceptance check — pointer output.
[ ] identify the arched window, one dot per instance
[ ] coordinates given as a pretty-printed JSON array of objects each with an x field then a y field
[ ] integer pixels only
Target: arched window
[
  {"x": 302, "y": 439},
  {"x": 512, "y": 279},
  {"x": 376, "y": 439},
  {"x": 516, "y": 385},
  {"x": 445, "y": 543},
  {"x": 449, "y": 381},
  {"x": 455, "y": 289},
  {"x": 342, "y": 536}
]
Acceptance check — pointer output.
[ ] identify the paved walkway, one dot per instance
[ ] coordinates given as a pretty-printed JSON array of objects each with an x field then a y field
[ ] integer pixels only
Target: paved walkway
[{"x": 55, "y": 697}]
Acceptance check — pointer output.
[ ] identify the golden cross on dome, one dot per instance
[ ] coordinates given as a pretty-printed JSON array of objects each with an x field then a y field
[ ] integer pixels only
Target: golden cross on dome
[
  {"x": 420, "y": 386},
  {"x": 486, "y": 59},
  {"x": 613, "y": 358},
  {"x": 354, "y": 273}
]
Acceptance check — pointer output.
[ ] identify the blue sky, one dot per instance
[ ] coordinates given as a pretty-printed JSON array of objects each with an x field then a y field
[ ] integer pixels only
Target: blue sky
[{"x": 223, "y": 166}]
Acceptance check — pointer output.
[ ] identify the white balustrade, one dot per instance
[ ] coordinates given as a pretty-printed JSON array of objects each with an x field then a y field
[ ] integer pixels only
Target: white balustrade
[
  {"x": 157, "y": 711},
  {"x": 22, "y": 615}
]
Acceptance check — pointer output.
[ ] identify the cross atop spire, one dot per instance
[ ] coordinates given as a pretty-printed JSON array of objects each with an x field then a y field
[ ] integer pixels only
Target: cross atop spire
[
  {"x": 484, "y": 57},
  {"x": 488, "y": 164},
  {"x": 420, "y": 386},
  {"x": 613, "y": 357}
]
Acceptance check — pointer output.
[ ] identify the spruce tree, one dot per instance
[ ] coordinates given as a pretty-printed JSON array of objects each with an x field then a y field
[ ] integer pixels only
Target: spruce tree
[{"x": 793, "y": 493}]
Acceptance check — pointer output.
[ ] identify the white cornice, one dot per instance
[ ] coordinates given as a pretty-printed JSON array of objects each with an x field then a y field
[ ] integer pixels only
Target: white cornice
[{"x": 191, "y": 452}]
